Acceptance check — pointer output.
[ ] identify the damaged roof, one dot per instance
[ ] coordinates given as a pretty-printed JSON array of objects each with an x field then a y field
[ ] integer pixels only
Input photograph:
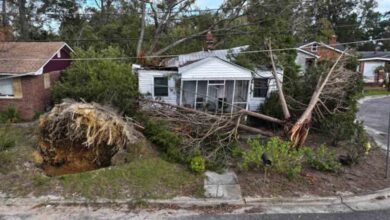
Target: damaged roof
[
  {"x": 185, "y": 59},
  {"x": 27, "y": 57}
]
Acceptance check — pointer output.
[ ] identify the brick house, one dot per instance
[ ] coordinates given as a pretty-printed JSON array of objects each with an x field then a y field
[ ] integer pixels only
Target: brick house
[
  {"x": 309, "y": 53},
  {"x": 27, "y": 72}
]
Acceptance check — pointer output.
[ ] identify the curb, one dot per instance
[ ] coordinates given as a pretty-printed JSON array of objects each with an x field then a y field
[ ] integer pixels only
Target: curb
[
  {"x": 362, "y": 100},
  {"x": 378, "y": 200}
]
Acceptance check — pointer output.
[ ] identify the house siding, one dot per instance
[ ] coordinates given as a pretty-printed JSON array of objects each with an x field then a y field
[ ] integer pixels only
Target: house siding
[
  {"x": 301, "y": 61},
  {"x": 35, "y": 98},
  {"x": 146, "y": 84},
  {"x": 214, "y": 69},
  {"x": 255, "y": 102},
  {"x": 58, "y": 63}
]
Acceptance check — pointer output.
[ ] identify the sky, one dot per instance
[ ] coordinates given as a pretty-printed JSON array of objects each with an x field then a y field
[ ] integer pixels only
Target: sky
[{"x": 384, "y": 5}]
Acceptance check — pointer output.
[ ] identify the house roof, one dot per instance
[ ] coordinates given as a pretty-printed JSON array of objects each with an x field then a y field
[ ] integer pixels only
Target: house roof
[
  {"x": 17, "y": 58},
  {"x": 374, "y": 55},
  {"x": 185, "y": 59},
  {"x": 337, "y": 47}
]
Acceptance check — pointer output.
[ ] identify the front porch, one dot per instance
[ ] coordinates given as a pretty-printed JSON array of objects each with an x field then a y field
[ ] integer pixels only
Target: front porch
[{"x": 215, "y": 96}]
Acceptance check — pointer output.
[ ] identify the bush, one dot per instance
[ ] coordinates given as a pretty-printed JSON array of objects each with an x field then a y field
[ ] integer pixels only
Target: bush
[
  {"x": 7, "y": 140},
  {"x": 10, "y": 115},
  {"x": 322, "y": 159},
  {"x": 167, "y": 141},
  {"x": 198, "y": 164},
  {"x": 102, "y": 81},
  {"x": 358, "y": 143},
  {"x": 283, "y": 159}
]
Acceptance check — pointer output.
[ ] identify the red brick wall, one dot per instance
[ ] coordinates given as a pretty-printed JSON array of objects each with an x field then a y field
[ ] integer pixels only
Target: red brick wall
[
  {"x": 35, "y": 97},
  {"x": 324, "y": 53}
]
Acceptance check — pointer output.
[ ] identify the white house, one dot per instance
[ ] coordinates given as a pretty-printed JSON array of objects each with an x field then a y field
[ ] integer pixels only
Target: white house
[
  {"x": 369, "y": 62},
  {"x": 207, "y": 81},
  {"x": 309, "y": 53}
]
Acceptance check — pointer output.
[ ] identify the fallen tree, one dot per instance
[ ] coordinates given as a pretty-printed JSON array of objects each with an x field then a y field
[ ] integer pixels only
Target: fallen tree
[{"x": 83, "y": 135}]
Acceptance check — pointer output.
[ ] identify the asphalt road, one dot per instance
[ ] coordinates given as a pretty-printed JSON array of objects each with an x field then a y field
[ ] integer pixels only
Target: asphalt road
[
  {"x": 372, "y": 215},
  {"x": 375, "y": 115}
]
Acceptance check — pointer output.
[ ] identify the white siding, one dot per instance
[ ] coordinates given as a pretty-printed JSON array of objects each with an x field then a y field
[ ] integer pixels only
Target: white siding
[
  {"x": 255, "y": 102},
  {"x": 301, "y": 61},
  {"x": 146, "y": 84},
  {"x": 214, "y": 69},
  {"x": 369, "y": 70}
]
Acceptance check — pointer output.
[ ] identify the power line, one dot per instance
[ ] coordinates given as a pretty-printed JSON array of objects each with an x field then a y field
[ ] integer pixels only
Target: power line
[{"x": 176, "y": 55}]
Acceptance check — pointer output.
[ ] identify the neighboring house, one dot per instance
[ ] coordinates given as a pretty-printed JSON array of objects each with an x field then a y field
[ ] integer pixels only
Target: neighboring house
[
  {"x": 369, "y": 63},
  {"x": 207, "y": 81},
  {"x": 27, "y": 72},
  {"x": 309, "y": 53}
]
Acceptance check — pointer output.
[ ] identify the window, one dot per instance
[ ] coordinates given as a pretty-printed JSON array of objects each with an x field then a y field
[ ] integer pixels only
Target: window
[
  {"x": 309, "y": 62},
  {"x": 260, "y": 88},
  {"x": 161, "y": 86},
  {"x": 314, "y": 47},
  {"x": 6, "y": 87}
]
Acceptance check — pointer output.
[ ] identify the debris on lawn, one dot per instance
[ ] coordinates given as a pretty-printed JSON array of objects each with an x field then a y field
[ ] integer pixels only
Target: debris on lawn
[{"x": 78, "y": 136}]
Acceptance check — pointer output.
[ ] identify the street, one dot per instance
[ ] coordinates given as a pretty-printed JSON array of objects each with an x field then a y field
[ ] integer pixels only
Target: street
[{"x": 375, "y": 115}]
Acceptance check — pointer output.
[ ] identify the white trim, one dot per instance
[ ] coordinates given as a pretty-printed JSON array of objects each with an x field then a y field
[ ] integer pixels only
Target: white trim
[
  {"x": 308, "y": 53},
  {"x": 193, "y": 65},
  {"x": 40, "y": 70},
  {"x": 323, "y": 44},
  {"x": 375, "y": 59}
]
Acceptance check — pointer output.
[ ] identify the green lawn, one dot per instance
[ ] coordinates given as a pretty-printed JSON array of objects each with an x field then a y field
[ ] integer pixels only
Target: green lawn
[
  {"x": 146, "y": 176},
  {"x": 375, "y": 91}
]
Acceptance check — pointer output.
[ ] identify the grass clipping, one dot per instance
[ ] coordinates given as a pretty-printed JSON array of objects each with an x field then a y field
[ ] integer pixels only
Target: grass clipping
[{"x": 83, "y": 133}]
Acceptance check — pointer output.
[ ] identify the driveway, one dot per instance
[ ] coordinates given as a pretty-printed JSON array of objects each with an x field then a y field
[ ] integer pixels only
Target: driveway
[{"x": 374, "y": 112}]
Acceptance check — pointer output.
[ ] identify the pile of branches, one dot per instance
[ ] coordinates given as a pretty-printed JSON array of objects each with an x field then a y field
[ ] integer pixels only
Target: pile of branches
[
  {"x": 83, "y": 127},
  {"x": 211, "y": 136}
]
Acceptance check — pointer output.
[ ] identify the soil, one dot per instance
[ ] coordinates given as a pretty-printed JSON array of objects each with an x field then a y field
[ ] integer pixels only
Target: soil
[{"x": 366, "y": 176}]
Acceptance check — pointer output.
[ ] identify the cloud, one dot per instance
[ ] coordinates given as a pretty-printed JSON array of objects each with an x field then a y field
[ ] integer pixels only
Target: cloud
[{"x": 383, "y": 5}]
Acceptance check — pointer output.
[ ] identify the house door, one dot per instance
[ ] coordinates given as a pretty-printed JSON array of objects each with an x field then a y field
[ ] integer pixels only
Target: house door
[{"x": 216, "y": 96}]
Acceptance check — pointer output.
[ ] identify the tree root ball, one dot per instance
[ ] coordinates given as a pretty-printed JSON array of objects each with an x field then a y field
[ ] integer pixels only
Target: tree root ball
[{"x": 75, "y": 137}]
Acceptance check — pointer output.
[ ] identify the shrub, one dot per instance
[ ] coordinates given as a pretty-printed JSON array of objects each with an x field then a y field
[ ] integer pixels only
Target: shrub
[
  {"x": 7, "y": 140},
  {"x": 322, "y": 159},
  {"x": 102, "y": 81},
  {"x": 10, "y": 115},
  {"x": 198, "y": 164},
  {"x": 358, "y": 143},
  {"x": 283, "y": 159},
  {"x": 167, "y": 141}
]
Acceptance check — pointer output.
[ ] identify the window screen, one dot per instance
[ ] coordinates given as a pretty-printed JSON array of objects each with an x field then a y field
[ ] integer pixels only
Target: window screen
[
  {"x": 260, "y": 88},
  {"x": 6, "y": 88},
  {"x": 161, "y": 86}
]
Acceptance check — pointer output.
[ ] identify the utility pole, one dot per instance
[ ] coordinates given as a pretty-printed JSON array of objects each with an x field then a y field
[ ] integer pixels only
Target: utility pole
[{"x": 4, "y": 13}]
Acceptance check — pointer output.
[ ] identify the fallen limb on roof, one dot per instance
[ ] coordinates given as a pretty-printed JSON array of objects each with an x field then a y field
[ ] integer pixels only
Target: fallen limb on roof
[{"x": 75, "y": 131}]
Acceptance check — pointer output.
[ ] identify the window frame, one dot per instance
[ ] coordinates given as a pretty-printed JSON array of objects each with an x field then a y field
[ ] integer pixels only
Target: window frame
[
  {"x": 259, "y": 88},
  {"x": 314, "y": 47},
  {"x": 156, "y": 87},
  {"x": 12, "y": 88}
]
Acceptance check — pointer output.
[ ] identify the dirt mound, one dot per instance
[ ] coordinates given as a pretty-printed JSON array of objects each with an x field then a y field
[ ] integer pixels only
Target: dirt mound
[{"x": 76, "y": 137}]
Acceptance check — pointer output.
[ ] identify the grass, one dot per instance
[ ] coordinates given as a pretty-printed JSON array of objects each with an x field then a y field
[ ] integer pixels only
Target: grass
[
  {"x": 374, "y": 91},
  {"x": 145, "y": 177}
]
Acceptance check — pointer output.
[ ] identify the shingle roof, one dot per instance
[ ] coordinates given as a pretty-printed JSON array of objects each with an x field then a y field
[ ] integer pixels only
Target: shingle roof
[
  {"x": 26, "y": 57},
  {"x": 375, "y": 54}
]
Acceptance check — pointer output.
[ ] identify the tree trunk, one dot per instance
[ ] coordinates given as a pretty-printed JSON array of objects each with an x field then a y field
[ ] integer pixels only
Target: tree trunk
[
  {"x": 142, "y": 30},
  {"x": 282, "y": 99},
  {"x": 190, "y": 110},
  {"x": 4, "y": 11},
  {"x": 299, "y": 131},
  {"x": 22, "y": 19}
]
